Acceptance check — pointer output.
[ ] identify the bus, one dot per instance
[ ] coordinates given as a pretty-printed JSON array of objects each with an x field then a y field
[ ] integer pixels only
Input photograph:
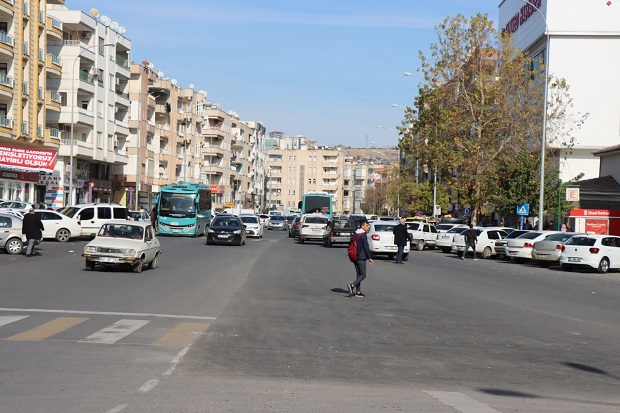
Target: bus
[
  {"x": 313, "y": 201},
  {"x": 183, "y": 209}
]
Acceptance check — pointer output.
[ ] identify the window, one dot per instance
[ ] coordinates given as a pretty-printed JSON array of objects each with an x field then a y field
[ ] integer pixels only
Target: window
[
  {"x": 6, "y": 222},
  {"x": 104, "y": 213},
  {"x": 120, "y": 213},
  {"x": 101, "y": 43},
  {"x": 87, "y": 213},
  {"x": 85, "y": 104},
  {"x": 100, "y": 140},
  {"x": 100, "y": 108}
]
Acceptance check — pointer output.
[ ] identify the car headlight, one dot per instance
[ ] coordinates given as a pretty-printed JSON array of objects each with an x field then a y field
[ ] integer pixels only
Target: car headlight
[
  {"x": 129, "y": 253},
  {"x": 237, "y": 231},
  {"x": 90, "y": 250}
]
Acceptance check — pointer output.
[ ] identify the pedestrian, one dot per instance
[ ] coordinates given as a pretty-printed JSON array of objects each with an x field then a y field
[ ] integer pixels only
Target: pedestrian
[
  {"x": 363, "y": 255},
  {"x": 154, "y": 218},
  {"x": 401, "y": 236},
  {"x": 32, "y": 228},
  {"x": 470, "y": 241}
]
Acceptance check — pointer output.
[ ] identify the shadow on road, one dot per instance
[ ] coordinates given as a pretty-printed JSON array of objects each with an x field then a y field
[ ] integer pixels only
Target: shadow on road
[{"x": 589, "y": 369}]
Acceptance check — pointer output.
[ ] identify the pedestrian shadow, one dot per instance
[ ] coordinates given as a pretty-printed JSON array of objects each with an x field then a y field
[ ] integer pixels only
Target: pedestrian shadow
[
  {"x": 340, "y": 291},
  {"x": 589, "y": 369}
]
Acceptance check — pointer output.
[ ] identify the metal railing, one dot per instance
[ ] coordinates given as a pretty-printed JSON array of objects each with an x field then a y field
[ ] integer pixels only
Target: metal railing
[
  {"x": 55, "y": 22},
  {"x": 6, "y": 122},
  {"x": 6, "y": 80},
  {"x": 6, "y": 38},
  {"x": 87, "y": 77}
]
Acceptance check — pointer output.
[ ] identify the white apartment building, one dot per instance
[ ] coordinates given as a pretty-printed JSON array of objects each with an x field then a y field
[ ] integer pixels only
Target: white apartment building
[{"x": 584, "y": 48}]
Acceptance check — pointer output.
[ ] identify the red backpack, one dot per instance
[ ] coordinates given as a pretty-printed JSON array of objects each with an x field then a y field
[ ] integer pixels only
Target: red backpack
[{"x": 352, "y": 250}]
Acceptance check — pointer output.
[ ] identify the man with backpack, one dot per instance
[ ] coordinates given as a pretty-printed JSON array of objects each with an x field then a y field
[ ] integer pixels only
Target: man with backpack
[{"x": 359, "y": 253}]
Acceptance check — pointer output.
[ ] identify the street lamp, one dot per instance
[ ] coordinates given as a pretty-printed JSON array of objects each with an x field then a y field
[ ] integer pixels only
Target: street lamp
[
  {"x": 395, "y": 105},
  {"x": 74, "y": 97}
]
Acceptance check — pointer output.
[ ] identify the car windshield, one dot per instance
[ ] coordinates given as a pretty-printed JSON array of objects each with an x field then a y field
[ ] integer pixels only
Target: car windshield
[
  {"x": 343, "y": 224},
  {"x": 385, "y": 227},
  {"x": 121, "y": 231},
  {"x": 457, "y": 230},
  {"x": 413, "y": 225},
  {"x": 69, "y": 211},
  {"x": 290, "y": 218},
  {"x": 225, "y": 222},
  {"x": 583, "y": 241},
  {"x": 444, "y": 227},
  {"x": 177, "y": 205},
  {"x": 250, "y": 220},
  {"x": 276, "y": 218},
  {"x": 530, "y": 235},
  {"x": 315, "y": 220},
  {"x": 516, "y": 234},
  {"x": 559, "y": 237}
]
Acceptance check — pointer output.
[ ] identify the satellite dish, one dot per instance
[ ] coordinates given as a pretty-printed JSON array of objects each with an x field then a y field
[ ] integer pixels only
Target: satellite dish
[
  {"x": 122, "y": 30},
  {"x": 114, "y": 26},
  {"x": 151, "y": 66},
  {"x": 146, "y": 63},
  {"x": 191, "y": 85},
  {"x": 106, "y": 20},
  {"x": 160, "y": 74},
  {"x": 94, "y": 13},
  {"x": 202, "y": 92},
  {"x": 173, "y": 82}
]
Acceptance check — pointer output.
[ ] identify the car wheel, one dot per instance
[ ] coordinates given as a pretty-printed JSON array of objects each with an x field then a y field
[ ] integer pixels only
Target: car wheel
[
  {"x": 406, "y": 257},
  {"x": 14, "y": 246},
  {"x": 138, "y": 267},
  {"x": 420, "y": 245},
  {"x": 153, "y": 264},
  {"x": 63, "y": 235},
  {"x": 486, "y": 253},
  {"x": 603, "y": 266},
  {"x": 566, "y": 268},
  {"x": 446, "y": 250},
  {"x": 89, "y": 265}
]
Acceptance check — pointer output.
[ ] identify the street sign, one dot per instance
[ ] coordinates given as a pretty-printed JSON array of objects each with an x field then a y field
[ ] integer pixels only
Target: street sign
[
  {"x": 523, "y": 210},
  {"x": 466, "y": 211},
  {"x": 437, "y": 210},
  {"x": 572, "y": 194}
]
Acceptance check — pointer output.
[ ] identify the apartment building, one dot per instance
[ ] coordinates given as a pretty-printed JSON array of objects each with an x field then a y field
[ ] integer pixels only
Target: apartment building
[{"x": 28, "y": 149}]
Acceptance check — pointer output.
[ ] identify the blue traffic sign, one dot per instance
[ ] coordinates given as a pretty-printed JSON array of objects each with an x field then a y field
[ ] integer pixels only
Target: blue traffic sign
[
  {"x": 523, "y": 210},
  {"x": 466, "y": 211}
]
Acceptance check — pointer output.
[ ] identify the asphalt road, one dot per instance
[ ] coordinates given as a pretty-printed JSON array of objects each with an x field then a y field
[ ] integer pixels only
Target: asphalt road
[{"x": 268, "y": 327}]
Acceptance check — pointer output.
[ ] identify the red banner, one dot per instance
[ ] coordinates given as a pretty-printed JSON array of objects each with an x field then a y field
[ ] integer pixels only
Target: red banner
[
  {"x": 598, "y": 226},
  {"x": 33, "y": 159},
  {"x": 216, "y": 189}
]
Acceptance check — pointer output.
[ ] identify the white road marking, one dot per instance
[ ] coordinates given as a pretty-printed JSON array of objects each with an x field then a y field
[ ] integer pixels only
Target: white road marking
[
  {"x": 8, "y": 319},
  {"x": 115, "y": 332},
  {"x": 175, "y": 361},
  {"x": 118, "y": 408},
  {"x": 148, "y": 386},
  {"x": 37, "y": 310},
  {"x": 460, "y": 402}
]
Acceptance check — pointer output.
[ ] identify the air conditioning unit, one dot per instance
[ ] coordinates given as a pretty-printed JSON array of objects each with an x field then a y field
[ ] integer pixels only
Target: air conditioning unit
[
  {"x": 86, "y": 35},
  {"x": 116, "y": 145},
  {"x": 117, "y": 81}
]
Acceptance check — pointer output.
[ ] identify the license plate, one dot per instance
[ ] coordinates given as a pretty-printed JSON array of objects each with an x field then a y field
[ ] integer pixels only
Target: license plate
[
  {"x": 444, "y": 237},
  {"x": 512, "y": 252},
  {"x": 574, "y": 259},
  {"x": 390, "y": 248},
  {"x": 223, "y": 236},
  {"x": 108, "y": 259},
  {"x": 316, "y": 230}
]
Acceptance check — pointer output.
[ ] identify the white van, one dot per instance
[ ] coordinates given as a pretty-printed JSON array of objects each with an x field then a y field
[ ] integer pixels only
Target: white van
[{"x": 92, "y": 216}]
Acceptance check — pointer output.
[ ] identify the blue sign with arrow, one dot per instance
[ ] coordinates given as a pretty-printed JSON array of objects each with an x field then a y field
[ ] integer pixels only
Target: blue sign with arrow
[{"x": 523, "y": 210}]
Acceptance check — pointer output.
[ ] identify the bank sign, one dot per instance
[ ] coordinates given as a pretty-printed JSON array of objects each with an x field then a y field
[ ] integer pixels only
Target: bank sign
[
  {"x": 33, "y": 159},
  {"x": 529, "y": 8}
]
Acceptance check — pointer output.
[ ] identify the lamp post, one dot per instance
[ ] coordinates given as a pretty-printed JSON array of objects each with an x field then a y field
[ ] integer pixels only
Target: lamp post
[{"x": 74, "y": 97}]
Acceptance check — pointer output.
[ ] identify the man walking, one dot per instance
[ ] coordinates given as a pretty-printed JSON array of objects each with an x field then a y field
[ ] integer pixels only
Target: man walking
[
  {"x": 401, "y": 236},
  {"x": 32, "y": 228},
  {"x": 363, "y": 255},
  {"x": 470, "y": 241}
]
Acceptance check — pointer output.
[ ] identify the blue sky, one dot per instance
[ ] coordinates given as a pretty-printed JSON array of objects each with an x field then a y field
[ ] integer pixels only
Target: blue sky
[{"x": 329, "y": 70}]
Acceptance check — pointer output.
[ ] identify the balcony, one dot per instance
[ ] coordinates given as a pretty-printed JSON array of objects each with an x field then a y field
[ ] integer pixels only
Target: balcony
[
  {"x": 54, "y": 27},
  {"x": 6, "y": 84},
  {"x": 52, "y": 100},
  {"x": 122, "y": 98},
  {"x": 53, "y": 64},
  {"x": 216, "y": 151},
  {"x": 121, "y": 127},
  {"x": 52, "y": 135},
  {"x": 213, "y": 169},
  {"x": 7, "y": 45},
  {"x": 80, "y": 148},
  {"x": 6, "y": 124}
]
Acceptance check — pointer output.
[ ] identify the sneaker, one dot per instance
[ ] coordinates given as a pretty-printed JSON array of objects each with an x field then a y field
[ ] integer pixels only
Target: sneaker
[
  {"x": 475, "y": 259},
  {"x": 360, "y": 295},
  {"x": 350, "y": 288},
  {"x": 462, "y": 258}
]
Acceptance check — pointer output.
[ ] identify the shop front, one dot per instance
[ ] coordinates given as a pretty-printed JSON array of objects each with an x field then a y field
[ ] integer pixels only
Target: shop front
[
  {"x": 597, "y": 221},
  {"x": 91, "y": 183}
]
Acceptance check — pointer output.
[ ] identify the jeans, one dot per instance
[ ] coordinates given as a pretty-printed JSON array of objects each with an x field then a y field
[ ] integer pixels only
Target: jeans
[
  {"x": 473, "y": 248},
  {"x": 399, "y": 254},
  {"x": 360, "y": 270},
  {"x": 31, "y": 243}
]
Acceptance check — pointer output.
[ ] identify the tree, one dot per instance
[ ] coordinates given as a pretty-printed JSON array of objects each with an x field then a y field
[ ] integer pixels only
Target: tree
[{"x": 480, "y": 110}]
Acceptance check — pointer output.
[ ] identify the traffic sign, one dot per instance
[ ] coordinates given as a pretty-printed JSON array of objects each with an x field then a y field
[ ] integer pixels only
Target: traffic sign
[
  {"x": 466, "y": 211},
  {"x": 437, "y": 210},
  {"x": 523, "y": 210}
]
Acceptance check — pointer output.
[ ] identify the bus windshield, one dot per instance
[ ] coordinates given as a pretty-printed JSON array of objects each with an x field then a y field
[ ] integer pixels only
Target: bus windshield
[
  {"x": 317, "y": 203},
  {"x": 177, "y": 205}
]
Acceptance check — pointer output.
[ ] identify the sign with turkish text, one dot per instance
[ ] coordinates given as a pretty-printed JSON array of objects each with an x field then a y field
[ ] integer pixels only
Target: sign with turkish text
[
  {"x": 595, "y": 213},
  {"x": 21, "y": 157},
  {"x": 597, "y": 226}
]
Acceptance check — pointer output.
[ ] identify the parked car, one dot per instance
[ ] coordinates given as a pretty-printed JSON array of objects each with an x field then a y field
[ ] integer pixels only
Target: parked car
[
  {"x": 15, "y": 206},
  {"x": 289, "y": 220},
  {"x": 253, "y": 226},
  {"x": 358, "y": 218},
  {"x": 277, "y": 222},
  {"x": 549, "y": 250},
  {"x": 445, "y": 239},
  {"x": 424, "y": 234},
  {"x": 387, "y": 218},
  {"x": 600, "y": 252},
  {"x": 381, "y": 239},
  {"x": 339, "y": 231},
  {"x": 226, "y": 229},
  {"x": 92, "y": 216},
  {"x": 500, "y": 244},
  {"x": 312, "y": 227},
  {"x": 520, "y": 249},
  {"x": 58, "y": 226},
  {"x": 264, "y": 219},
  {"x": 293, "y": 229},
  {"x": 11, "y": 233},
  {"x": 486, "y": 241},
  {"x": 447, "y": 227},
  {"x": 121, "y": 243},
  {"x": 141, "y": 216}
]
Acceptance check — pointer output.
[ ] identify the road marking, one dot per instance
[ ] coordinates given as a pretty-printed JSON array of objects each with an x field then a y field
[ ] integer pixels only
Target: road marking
[
  {"x": 115, "y": 332},
  {"x": 148, "y": 386},
  {"x": 461, "y": 402},
  {"x": 48, "y": 329},
  {"x": 118, "y": 408},
  {"x": 8, "y": 319},
  {"x": 37, "y": 310},
  {"x": 175, "y": 361},
  {"x": 182, "y": 335}
]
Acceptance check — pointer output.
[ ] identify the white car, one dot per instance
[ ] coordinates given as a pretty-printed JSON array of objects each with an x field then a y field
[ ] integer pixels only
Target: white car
[
  {"x": 423, "y": 234},
  {"x": 264, "y": 219},
  {"x": 381, "y": 239},
  {"x": 15, "y": 206},
  {"x": 520, "y": 248},
  {"x": 601, "y": 252},
  {"x": 123, "y": 243},
  {"x": 441, "y": 228},
  {"x": 485, "y": 245},
  {"x": 253, "y": 226},
  {"x": 445, "y": 239},
  {"x": 57, "y": 226},
  {"x": 312, "y": 227}
]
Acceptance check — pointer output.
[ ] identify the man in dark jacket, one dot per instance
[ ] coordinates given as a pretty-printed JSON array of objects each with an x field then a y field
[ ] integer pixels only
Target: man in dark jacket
[
  {"x": 471, "y": 239},
  {"x": 401, "y": 236},
  {"x": 32, "y": 228},
  {"x": 363, "y": 255}
]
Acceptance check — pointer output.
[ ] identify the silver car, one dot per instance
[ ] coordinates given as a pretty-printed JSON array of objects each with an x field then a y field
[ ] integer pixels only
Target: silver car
[
  {"x": 549, "y": 250},
  {"x": 11, "y": 233}
]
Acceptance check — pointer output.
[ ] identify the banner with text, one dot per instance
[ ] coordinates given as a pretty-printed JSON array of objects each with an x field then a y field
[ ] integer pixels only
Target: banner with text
[{"x": 32, "y": 159}]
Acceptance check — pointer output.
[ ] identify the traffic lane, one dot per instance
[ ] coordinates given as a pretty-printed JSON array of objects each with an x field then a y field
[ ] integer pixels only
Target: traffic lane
[
  {"x": 191, "y": 279},
  {"x": 420, "y": 327}
]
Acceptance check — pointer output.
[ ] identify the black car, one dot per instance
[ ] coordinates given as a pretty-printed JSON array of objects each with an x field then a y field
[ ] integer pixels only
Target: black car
[
  {"x": 338, "y": 231},
  {"x": 226, "y": 229},
  {"x": 293, "y": 228}
]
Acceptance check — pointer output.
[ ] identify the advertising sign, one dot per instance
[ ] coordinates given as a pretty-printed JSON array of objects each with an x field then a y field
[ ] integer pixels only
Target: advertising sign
[
  {"x": 20, "y": 157},
  {"x": 597, "y": 226}
]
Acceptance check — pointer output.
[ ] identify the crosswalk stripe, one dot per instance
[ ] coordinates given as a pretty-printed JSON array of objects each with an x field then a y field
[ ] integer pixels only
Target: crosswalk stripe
[
  {"x": 8, "y": 319},
  {"x": 182, "y": 335},
  {"x": 460, "y": 402},
  {"x": 115, "y": 332},
  {"x": 48, "y": 329}
]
